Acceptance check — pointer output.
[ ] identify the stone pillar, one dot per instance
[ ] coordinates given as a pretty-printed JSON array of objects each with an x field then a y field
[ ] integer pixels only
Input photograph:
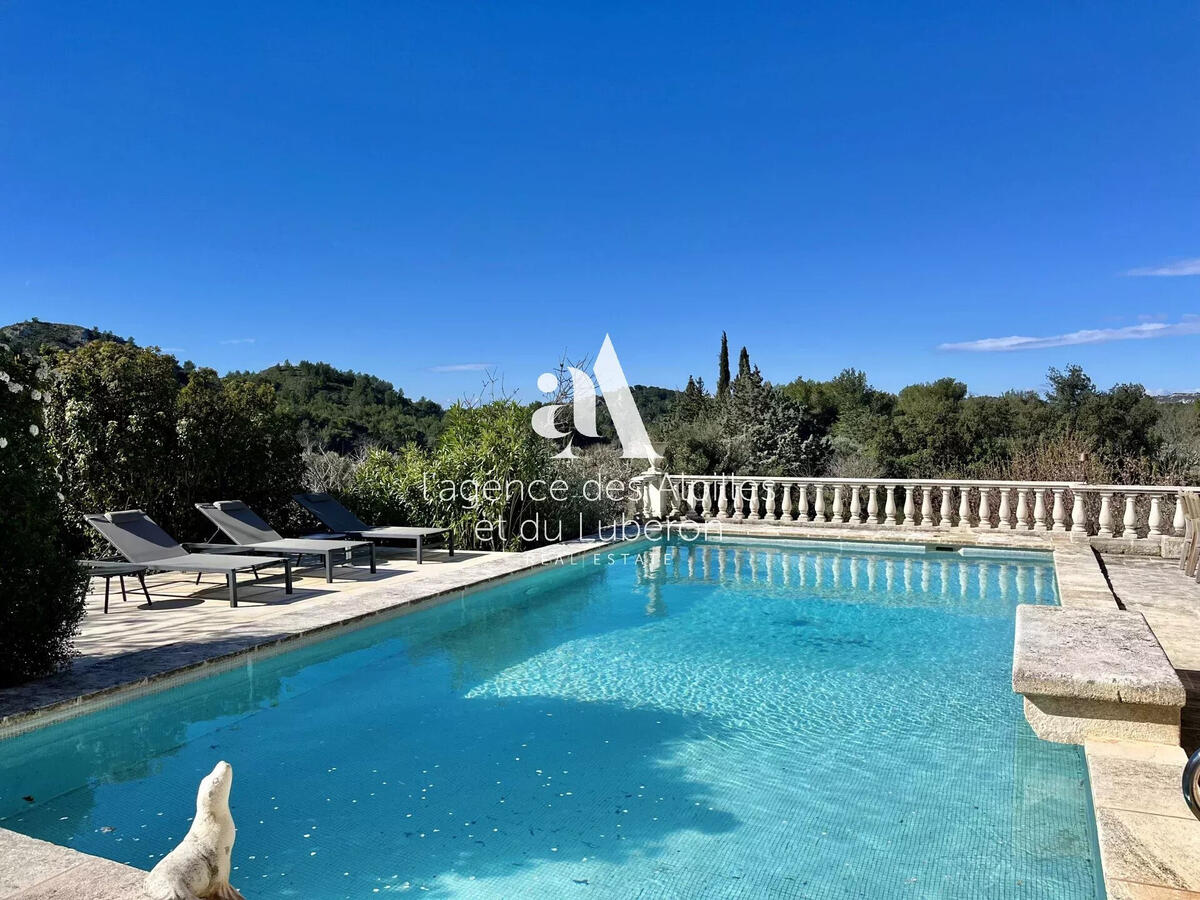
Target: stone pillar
[
  {"x": 787, "y": 502},
  {"x": 1155, "y": 516},
  {"x": 837, "y": 505},
  {"x": 819, "y": 503},
  {"x": 944, "y": 520},
  {"x": 889, "y": 507},
  {"x": 755, "y": 512},
  {"x": 772, "y": 514},
  {"x": 927, "y": 507},
  {"x": 739, "y": 512},
  {"x": 855, "y": 505},
  {"x": 872, "y": 505},
  {"x": 964, "y": 508},
  {"x": 985, "y": 508},
  {"x": 722, "y": 498},
  {"x": 802, "y": 503}
]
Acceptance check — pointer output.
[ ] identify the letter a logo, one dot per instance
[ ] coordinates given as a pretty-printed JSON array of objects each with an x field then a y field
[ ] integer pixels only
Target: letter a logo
[{"x": 631, "y": 432}]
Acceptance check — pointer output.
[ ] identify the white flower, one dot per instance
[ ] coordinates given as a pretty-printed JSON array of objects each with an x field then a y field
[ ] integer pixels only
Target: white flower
[
  {"x": 3, "y": 442},
  {"x": 60, "y": 496},
  {"x": 14, "y": 387},
  {"x": 33, "y": 429},
  {"x": 3, "y": 376},
  {"x": 35, "y": 394}
]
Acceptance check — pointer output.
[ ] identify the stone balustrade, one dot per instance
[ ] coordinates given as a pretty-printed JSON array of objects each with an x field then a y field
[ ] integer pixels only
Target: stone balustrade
[{"x": 1133, "y": 512}]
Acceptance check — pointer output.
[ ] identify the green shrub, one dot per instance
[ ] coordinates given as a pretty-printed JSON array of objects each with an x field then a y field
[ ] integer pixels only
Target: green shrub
[
  {"x": 41, "y": 586},
  {"x": 464, "y": 483},
  {"x": 130, "y": 429}
]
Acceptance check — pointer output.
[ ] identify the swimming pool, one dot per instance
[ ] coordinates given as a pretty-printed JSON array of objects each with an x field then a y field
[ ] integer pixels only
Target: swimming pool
[{"x": 720, "y": 719}]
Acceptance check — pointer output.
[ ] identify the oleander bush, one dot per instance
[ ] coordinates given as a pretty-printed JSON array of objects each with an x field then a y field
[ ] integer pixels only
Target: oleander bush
[{"x": 41, "y": 585}]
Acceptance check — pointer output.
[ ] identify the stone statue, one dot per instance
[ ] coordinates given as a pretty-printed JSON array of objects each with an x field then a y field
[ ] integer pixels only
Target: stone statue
[{"x": 198, "y": 869}]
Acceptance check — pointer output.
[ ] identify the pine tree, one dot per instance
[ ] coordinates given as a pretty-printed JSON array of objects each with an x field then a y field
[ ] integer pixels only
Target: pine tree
[{"x": 723, "y": 369}]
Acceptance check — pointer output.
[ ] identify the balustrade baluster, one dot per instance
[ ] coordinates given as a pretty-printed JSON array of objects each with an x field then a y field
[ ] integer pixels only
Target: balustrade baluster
[
  {"x": 836, "y": 513},
  {"x": 889, "y": 507},
  {"x": 772, "y": 514},
  {"x": 1104, "y": 523},
  {"x": 1130, "y": 522},
  {"x": 855, "y": 505},
  {"x": 872, "y": 505},
  {"x": 964, "y": 507},
  {"x": 1023, "y": 523},
  {"x": 755, "y": 512},
  {"x": 926, "y": 507},
  {"x": 910, "y": 517},
  {"x": 819, "y": 503},
  {"x": 1005, "y": 513},
  {"x": 1177, "y": 523},
  {"x": 723, "y": 498},
  {"x": 802, "y": 503},
  {"x": 1060, "y": 513},
  {"x": 1155, "y": 520},
  {"x": 691, "y": 496},
  {"x": 738, "y": 501},
  {"x": 985, "y": 508},
  {"x": 944, "y": 520},
  {"x": 1078, "y": 513},
  {"x": 787, "y": 502},
  {"x": 1039, "y": 510}
]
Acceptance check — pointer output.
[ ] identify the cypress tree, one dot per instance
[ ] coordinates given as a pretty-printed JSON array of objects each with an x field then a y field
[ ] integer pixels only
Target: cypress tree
[
  {"x": 723, "y": 368},
  {"x": 743, "y": 364}
]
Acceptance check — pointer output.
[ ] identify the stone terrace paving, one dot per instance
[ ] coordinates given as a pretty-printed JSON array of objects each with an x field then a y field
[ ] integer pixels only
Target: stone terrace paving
[{"x": 1150, "y": 842}]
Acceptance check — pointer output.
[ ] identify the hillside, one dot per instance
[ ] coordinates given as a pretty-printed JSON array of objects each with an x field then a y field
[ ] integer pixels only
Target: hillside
[
  {"x": 35, "y": 337},
  {"x": 342, "y": 410}
]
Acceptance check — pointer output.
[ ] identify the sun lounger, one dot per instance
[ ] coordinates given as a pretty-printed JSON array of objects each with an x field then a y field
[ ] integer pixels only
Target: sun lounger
[
  {"x": 140, "y": 540},
  {"x": 252, "y": 534},
  {"x": 343, "y": 523}
]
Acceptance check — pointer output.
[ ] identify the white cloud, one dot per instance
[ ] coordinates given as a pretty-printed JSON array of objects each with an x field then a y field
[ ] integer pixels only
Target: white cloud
[
  {"x": 1182, "y": 267},
  {"x": 463, "y": 367},
  {"x": 238, "y": 341},
  {"x": 1142, "y": 332}
]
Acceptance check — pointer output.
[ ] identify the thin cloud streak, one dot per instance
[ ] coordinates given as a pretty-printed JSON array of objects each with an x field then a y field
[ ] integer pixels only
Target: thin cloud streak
[
  {"x": 1144, "y": 331},
  {"x": 239, "y": 341},
  {"x": 1182, "y": 267},
  {"x": 463, "y": 367}
]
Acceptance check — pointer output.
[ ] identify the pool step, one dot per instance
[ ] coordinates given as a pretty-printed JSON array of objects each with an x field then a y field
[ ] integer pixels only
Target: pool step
[{"x": 1089, "y": 674}]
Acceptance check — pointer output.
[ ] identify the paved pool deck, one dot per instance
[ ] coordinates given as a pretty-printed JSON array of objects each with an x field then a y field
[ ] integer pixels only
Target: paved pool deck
[{"x": 1149, "y": 841}]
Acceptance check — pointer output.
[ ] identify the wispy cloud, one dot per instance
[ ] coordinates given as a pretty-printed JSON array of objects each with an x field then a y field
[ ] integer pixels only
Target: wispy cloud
[
  {"x": 1141, "y": 332},
  {"x": 172, "y": 349},
  {"x": 238, "y": 341},
  {"x": 1182, "y": 267},
  {"x": 463, "y": 367}
]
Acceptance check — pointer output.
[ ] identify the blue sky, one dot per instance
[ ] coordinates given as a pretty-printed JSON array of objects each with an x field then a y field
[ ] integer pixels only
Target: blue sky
[{"x": 403, "y": 188}]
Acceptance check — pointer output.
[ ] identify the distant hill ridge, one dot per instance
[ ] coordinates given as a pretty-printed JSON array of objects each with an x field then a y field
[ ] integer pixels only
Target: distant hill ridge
[{"x": 34, "y": 336}]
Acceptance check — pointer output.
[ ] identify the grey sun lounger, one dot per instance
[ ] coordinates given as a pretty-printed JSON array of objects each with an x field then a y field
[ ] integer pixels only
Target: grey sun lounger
[
  {"x": 251, "y": 534},
  {"x": 141, "y": 541},
  {"x": 343, "y": 523}
]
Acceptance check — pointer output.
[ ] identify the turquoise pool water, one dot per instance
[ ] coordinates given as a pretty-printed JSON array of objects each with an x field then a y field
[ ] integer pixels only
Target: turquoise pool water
[{"x": 706, "y": 720}]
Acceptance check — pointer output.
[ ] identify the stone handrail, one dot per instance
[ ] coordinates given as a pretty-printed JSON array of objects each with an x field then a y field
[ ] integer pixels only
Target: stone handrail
[{"x": 1134, "y": 512}]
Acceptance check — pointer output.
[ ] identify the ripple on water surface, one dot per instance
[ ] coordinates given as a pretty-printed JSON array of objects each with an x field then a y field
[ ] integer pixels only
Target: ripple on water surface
[{"x": 709, "y": 720}]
